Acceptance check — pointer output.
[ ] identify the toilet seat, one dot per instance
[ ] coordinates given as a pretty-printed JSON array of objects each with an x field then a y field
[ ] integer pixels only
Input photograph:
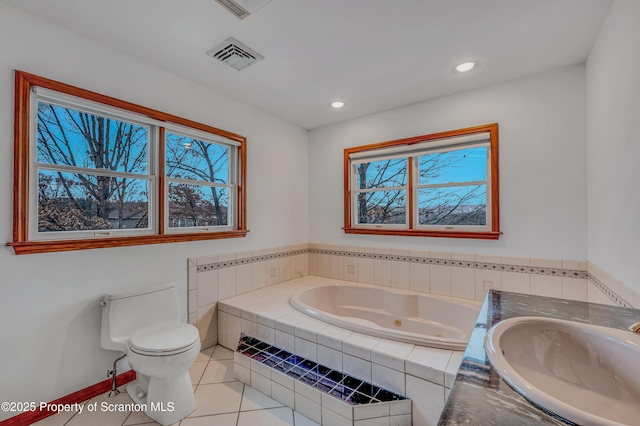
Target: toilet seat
[{"x": 164, "y": 339}]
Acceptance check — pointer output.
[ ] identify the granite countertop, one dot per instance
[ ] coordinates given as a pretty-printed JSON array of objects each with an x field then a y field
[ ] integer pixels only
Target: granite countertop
[{"x": 479, "y": 396}]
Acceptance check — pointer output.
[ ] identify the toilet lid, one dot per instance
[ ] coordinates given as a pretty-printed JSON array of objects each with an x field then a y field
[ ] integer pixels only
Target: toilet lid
[{"x": 166, "y": 337}]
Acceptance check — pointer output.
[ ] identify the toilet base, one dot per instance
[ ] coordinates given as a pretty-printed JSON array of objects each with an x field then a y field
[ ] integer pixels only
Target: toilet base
[{"x": 166, "y": 401}]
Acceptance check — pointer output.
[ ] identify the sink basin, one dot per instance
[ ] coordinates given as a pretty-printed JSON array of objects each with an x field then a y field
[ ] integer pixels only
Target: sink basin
[{"x": 587, "y": 374}]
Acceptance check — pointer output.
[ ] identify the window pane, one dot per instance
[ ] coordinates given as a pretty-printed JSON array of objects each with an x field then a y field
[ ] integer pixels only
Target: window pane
[
  {"x": 462, "y": 205},
  {"x": 463, "y": 165},
  {"x": 75, "y": 138},
  {"x": 195, "y": 205},
  {"x": 189, "y": 158},
  {"x": 388, "y": 207},
  {"x": 79, "y": 202},
  {"x": 382, "y": 174}
]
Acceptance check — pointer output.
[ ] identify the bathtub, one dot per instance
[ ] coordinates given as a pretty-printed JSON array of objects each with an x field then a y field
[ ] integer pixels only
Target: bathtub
[{"x": 400, "y": 315}]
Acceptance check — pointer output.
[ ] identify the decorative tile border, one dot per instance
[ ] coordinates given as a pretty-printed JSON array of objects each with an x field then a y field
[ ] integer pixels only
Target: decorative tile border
[
  {"x": 608, "y": 292},
  {"x": 559, "y": 272},
  {"x": 534, "y": 270},
  {"x": 248, "y": 260},
  {"x": 565, "y": 273}
]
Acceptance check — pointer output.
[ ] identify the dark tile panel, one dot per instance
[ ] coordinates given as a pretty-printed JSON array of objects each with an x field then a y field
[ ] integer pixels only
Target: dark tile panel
[{"x": 349, "y": 389}]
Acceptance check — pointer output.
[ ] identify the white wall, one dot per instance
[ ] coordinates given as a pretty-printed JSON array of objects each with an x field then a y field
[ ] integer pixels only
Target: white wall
[
  {"x": 542, "y": 164},
  {"x": 49, "y": 313},
  {"x": 613, "y": 145}
]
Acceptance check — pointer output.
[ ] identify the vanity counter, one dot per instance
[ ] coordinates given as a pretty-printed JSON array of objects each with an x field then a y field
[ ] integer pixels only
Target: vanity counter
[{"x": 479, "y": 396}]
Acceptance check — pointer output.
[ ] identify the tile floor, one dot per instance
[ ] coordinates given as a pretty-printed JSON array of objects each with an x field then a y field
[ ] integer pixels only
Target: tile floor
[{"x": 220, "y": 401}]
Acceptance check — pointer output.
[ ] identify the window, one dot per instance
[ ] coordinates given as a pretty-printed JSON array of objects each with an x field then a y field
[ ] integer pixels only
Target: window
[
  {"x": 200, "y": 183},
  {"x": 92, "y": 171},
  {"x": 439, "y": 185}
]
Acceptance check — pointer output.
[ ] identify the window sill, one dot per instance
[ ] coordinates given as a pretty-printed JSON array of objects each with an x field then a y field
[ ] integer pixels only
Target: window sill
[
  {"x": 33, "y": 247},
  {"x": 484, "y": 235}
]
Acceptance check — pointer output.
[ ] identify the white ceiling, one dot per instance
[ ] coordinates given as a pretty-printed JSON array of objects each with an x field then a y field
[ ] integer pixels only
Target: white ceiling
[{"x": 373, "y": 54}]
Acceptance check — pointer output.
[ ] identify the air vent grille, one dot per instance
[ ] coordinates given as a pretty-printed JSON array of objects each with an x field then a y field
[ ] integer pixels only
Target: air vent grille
[
  {"x": 235, "y": 54},
  {"x": 234, "y": 8}
]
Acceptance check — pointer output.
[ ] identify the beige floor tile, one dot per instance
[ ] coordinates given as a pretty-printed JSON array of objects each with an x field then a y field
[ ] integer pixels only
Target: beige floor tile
[
  {"x": 196, "y": 370},
  {"x": 301, "y": 420},
  {"x": 254, "y": 400},
  {"x": 218, "y": 372},
  {"x": 220, "y": 401},
  {"x": 58, "y": 419},
  {"x": 221, "y": 353},
  {"x": 139, "y": 418},
  {"x": 205, "y": 355},
  {"x": 229, "y": 419},
  {"x": 100, "y": 416},
  {"x": 273, "y": 417},
  {"x": 218, "y": 398}
]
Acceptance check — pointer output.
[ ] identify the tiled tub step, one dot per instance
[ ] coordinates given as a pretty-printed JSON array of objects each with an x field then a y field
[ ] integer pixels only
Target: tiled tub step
[{"x": 326, "y": 396}]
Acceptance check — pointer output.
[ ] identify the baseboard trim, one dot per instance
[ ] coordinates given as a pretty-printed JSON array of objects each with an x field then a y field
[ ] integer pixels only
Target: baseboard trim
[{"x": 30, "y": 417}]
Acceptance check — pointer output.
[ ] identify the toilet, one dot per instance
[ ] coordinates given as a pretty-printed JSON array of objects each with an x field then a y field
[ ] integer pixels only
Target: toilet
[{"x": 144, "y": 322}]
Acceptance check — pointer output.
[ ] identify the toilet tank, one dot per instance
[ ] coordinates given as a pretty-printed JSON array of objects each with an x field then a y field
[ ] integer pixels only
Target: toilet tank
[{"x": 134, "y": 308}]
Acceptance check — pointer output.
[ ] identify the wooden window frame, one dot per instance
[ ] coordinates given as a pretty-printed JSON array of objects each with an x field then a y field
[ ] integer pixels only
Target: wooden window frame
[
  {"x": 411, "y": 231},
  {"x": 24, "y": 83}
]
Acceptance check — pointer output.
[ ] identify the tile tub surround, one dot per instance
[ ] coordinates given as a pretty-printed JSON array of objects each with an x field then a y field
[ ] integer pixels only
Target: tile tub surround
[
  {"x": 325, "y": 395},
  {"x": 479, "y": 396},
  {"x": 610, "y": 288},
  {"x": 220, "y": 276},
  {"x": 422, "y": 374},
  {"x": 409, "y": 269},
  {"x": 468, "y": 276}
]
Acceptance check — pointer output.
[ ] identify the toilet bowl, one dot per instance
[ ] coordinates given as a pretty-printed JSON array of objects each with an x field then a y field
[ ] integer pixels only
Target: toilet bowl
[{"x": 144, "y": 322}]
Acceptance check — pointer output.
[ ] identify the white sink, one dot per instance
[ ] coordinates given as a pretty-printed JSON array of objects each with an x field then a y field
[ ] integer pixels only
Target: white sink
[{"x": 587, "y": 374}]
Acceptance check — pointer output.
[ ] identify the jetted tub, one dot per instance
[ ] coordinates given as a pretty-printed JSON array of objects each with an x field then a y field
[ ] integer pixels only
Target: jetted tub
[{"x": 389, "y": 313}]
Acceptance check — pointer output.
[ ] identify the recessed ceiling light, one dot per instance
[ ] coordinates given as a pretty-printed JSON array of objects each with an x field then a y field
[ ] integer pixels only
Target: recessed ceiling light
[
  {"x": 336, "y": 104},
  {"x": 466, "y": 66}
]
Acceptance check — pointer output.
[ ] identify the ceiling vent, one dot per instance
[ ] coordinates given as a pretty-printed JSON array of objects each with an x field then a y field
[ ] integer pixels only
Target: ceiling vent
[
  {"x": 235, "y": 54},
  {"x": 243, "y": 8}
]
